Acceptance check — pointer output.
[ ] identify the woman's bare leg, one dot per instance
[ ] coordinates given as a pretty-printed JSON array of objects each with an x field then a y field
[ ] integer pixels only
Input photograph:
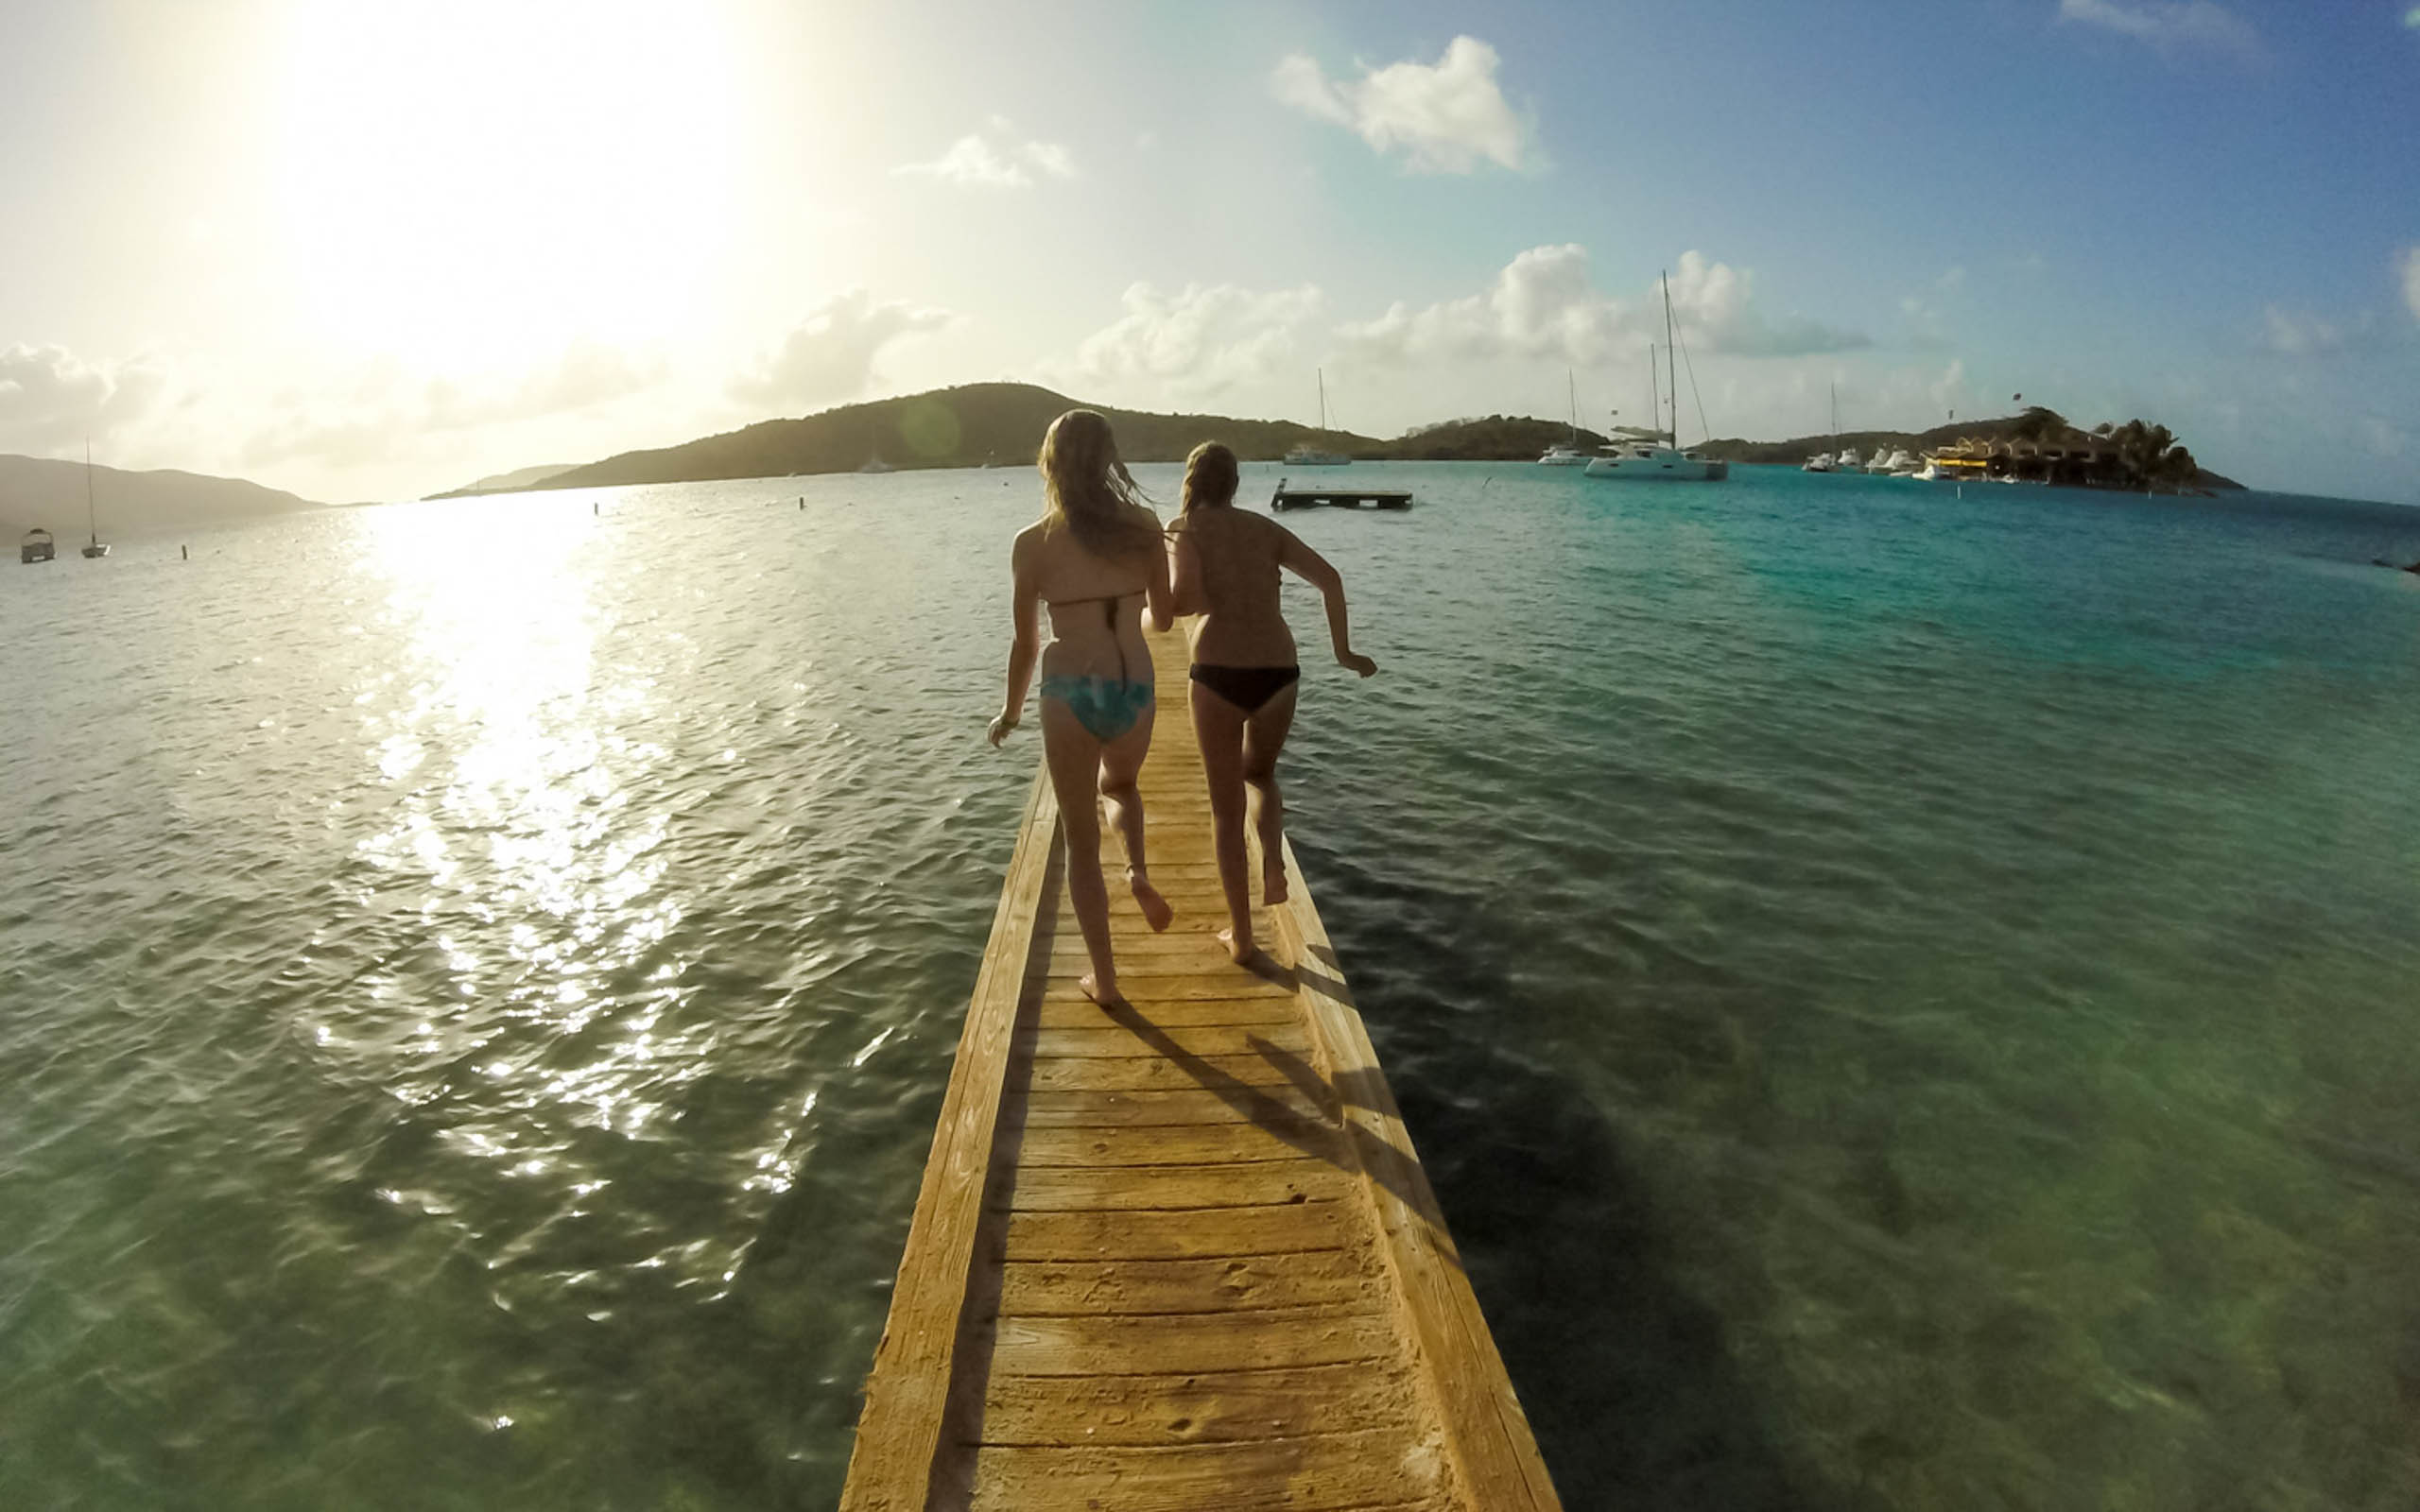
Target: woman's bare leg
[
  {"x": 1265, "y": 732},
  {"x": 1073, "y": 756},
  {"x": 1121, "y": 761},
  {"x": 1220, "y": 727}
]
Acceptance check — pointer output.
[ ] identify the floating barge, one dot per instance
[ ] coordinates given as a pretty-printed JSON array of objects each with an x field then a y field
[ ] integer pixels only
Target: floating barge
[
  {"x": 1180, "y": 1254},
  {"x": 1338, "y": 498}
]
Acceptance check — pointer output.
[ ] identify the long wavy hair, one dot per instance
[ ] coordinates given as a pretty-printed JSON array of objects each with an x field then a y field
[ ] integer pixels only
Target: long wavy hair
[
  {"x": 1210, "y": 476},
  {"x": 1088, "y": 490}
]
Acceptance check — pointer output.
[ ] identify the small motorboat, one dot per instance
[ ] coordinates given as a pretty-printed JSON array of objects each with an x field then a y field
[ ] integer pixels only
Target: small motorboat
[{"x": 37, "y": 546}]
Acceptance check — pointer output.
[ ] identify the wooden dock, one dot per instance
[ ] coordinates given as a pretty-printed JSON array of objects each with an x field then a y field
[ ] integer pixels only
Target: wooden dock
[
  {"x": 1181, "y": 1255},
  {"x": 1285, "y": 498}
]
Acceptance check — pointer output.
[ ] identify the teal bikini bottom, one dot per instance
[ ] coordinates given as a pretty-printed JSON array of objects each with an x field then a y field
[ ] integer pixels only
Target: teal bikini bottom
[{"x": 1106, "y": 706}]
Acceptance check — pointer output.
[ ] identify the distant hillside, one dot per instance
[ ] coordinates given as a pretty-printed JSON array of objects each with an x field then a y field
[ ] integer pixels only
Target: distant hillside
[
  {"x": 1798, "y": 449},
  {"x": 947, "y": 428},
  {"x": 528, "y": 477},
  {"x": 1497, "y": 438},
  {"x": 39, "y": 491}
]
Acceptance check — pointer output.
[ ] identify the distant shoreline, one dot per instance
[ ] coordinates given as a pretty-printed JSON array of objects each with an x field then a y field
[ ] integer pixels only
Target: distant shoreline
[{"x": 999, "y": 424}]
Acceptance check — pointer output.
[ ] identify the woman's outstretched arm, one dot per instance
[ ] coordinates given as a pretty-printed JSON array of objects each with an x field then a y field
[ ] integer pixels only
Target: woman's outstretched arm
[
  {"x": 1161, "y": 604},
  {"x": 1024, "y": 644},
  {"x": 1314, "y": 569}
]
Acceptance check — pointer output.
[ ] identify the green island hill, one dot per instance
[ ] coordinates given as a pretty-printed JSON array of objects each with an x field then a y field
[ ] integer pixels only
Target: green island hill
[
  {"x": 1002, "y": 423},
  {"x": 48, "y": 494}
]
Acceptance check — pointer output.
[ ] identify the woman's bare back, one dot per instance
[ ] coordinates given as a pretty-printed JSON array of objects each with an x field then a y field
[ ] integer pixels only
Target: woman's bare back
[
  {"x": 1242, "y": 623},
  {"x": 1096, "y": 605}
]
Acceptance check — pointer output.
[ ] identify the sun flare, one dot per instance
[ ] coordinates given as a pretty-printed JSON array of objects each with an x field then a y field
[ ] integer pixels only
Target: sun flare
[{"x": 478, "y": 185}]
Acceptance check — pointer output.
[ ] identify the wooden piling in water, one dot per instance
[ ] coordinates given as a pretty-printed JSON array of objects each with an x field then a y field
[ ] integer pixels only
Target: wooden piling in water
[{"x": 1177, "y": 1255}]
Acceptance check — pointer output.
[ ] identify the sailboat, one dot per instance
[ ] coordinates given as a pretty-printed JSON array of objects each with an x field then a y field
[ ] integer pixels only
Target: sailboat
[
  {"x": 1305, "y": 454},
  {"x": 1647, "y": 454},
  {"x": 92, "y": 521},
  {"x": 1822, "y": 461},
  {"x": 1569, "y": 454}
]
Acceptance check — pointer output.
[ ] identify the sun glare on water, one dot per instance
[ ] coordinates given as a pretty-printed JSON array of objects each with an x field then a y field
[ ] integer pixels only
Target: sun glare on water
[{"x": 479, "y": 185}]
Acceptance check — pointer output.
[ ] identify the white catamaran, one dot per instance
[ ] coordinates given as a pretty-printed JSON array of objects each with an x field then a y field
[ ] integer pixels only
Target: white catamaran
[{"x": 1650, "y": 455}]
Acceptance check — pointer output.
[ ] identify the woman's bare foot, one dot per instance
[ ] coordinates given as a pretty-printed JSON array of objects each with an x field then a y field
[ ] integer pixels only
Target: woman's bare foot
[
  {"x": 1273, "y": 884},
  {"x": 1108, "y": 997},
  {"x": 1241, "y": 949},
  {"x": 1156, "y": 911}
]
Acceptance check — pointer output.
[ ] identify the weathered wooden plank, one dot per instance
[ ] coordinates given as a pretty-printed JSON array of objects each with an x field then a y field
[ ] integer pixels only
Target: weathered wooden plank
[
  {"x": 1206, "y": 1407},
  {"x": 1180, "y": 1343},
  {"x": 1116, "y": 1188},
  {"x": 1286, "y": 1110},
  {"x": 1197, "y": 1234},
  {"x": 1179, "y": 987},
  {"x": 1237, "y": 1284},
  {"x": 1152, "y": 955},
  {"x": 1120, "y": 1039},
  {"x": 915, "y": 1364},
  {"x": 1091, "y": 1074},
  {"x": 1367, "y": 1468},
  {"x": 1266, "y": 1009},
  {"x": 1182, "y": 1144}
]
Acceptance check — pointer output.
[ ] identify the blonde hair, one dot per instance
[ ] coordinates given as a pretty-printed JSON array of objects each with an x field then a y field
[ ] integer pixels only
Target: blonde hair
[
  {"x": 1210, "y": 476},
  {"x": 1088, "y": 490}
]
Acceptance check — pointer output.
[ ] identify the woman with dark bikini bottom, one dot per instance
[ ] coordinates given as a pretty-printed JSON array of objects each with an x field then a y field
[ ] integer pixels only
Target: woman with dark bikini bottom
[
  {"x": 1244, "y": 669},
  {"x": 1097, "y": 561}
]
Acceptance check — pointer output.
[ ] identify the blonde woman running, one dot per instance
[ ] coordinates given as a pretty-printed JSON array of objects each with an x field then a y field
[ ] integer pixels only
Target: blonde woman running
[
  {"x": 1096, "y": 558},
  {"x": 1244, "y": 673}
]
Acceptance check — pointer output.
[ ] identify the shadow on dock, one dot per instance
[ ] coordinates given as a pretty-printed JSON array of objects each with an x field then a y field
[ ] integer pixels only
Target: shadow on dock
[{"x": 1314, "y": 1135}]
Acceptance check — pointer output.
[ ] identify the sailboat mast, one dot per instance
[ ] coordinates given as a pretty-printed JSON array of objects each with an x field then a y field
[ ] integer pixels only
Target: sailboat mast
[
  {"x": 92, "y": 521},
  {"x": 1654, "y": 392},
  {"x": 1571, "y": 397},
  {"x": 1672, "y": 369},
  {"x": 1322, "y": 374}
]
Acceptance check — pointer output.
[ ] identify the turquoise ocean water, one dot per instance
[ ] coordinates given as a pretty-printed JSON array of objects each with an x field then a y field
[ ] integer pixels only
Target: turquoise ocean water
[{"x": 1910, "y": 1001}]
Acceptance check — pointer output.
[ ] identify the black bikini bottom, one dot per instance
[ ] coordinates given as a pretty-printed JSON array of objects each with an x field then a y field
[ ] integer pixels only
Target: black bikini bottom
[{"x": 1247, "y": 688}]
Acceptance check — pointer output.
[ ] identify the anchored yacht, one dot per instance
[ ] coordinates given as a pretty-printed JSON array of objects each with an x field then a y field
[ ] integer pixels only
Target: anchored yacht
[{"x": 1649, "y": 456}]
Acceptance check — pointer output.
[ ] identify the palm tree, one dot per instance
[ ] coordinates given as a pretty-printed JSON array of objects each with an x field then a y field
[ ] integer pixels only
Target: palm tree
[{"x": 2151, "y": 456}]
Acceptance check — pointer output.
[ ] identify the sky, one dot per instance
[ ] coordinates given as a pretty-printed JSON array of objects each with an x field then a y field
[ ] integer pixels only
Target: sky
[{"x": 373, "y": 250}]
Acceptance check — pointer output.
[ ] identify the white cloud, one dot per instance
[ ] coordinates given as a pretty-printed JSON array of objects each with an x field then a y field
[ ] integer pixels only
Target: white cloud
[
  {"x": 1543, "y": 304},
  {"x": 1927, "y": 309},
  {"x": 1198, "y": 339},
  {"x": 51, "y": 399},
  {"x": 829, "y": 357},
  {"x": 994, "y": 157},
  {"x": 2290, "y": 335},
  {"x": 1714, "y": 303},
  {"x": 2167, "y": 23},
  {"x": 2409, "y": 266},
  {"x": 1447, "y": 118}
]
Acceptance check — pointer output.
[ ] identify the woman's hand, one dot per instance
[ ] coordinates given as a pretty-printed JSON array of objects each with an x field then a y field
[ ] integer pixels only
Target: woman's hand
[
  {"x": 1357, "y": 661},
  {"x": 1002, "y": 724}
]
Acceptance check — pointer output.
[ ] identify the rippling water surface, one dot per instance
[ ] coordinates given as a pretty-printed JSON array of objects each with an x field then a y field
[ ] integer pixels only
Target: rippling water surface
[{"x": 1908, "y": 1001}]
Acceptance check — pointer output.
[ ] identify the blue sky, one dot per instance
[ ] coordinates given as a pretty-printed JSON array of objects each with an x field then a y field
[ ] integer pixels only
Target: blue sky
[{"x": 367, "y": 251}]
